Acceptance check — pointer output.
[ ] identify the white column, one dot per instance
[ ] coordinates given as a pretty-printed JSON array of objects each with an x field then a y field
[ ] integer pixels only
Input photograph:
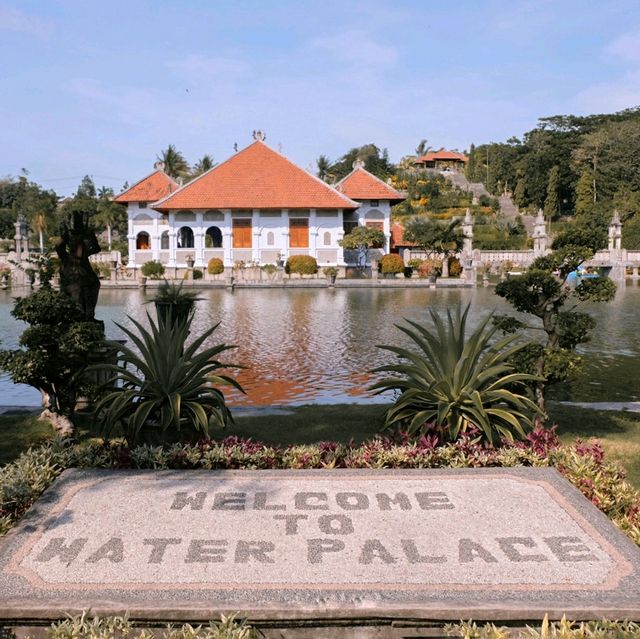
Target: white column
[
  {"x": 132, "y": 242},
  {"x": 227, "y": 239},
  {"x": 285, "y": 244},
  {"x": 255, "y": 232},
  {"x": 313, "y": 234},
  {"x": 386, "y": 226},
  {"x": 173, "y": 240},
  {"x": 155, "y": 241}
]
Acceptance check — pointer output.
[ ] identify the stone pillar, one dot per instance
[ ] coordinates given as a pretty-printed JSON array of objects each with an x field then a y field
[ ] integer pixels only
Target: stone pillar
[
  {"x": 173, "y": 245},
  {"x": 155, "y": 241},
  {"x": 131, "y": 238},
  {"x": 285, "y": 245},
  {"x": 227, "y": 239},
  {"x": 313, "y": 234},
  {"x": 340, "y": 252},
  {"x": 539, "y": 235},
  {"x": 22, "y": 239},
  {"x": 615, "y": 232}
]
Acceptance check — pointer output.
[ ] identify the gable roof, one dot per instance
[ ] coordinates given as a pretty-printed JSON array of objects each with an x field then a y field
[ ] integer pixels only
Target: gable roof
[
  {"x": 432, "y": 156},
  {"x": 362, "y": 185},
  {"x": 148, "y": 189},
  {"x": 256, "y": 178}
]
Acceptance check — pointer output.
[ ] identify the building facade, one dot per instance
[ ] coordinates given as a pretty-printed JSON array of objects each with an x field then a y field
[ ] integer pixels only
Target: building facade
[{"x": 256, "y": 207}]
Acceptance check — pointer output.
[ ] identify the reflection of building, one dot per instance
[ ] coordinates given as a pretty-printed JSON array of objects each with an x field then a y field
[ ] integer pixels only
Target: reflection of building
[
  {"x": 255, "y": 207},
  {"x": 442, "y": 160}
]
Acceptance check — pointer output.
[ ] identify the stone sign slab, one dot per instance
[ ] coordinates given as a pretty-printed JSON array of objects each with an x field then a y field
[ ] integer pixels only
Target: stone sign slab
[{"x": 420, "y": 544}]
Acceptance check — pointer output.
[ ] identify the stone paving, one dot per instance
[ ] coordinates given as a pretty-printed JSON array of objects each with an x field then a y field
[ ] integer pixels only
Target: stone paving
[{"x": 420, "y": 544}]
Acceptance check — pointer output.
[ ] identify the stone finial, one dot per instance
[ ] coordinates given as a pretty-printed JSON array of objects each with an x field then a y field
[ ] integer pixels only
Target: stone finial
[
  {"x": 474, "y": 200},
  {"x": 468, "y": 218},
  {"x": 259, "y": 135},
  {"x": 540, "y": 217},
  {"x": 159, "y": 165},
  {"x": 358, "y": 164}
]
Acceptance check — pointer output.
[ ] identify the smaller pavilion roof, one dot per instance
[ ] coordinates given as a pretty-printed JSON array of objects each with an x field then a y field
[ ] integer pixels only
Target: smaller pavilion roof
[
  {"x": 432, "y": 156},
  {"x": 362, "y": 185},
  {"x": 149, "y": 189}
]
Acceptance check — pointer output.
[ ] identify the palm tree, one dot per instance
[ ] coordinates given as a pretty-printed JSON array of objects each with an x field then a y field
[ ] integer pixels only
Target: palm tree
[
  {"x": 422, "y": 148},
  {"x": 205, "y": 163},
  {"x": 175, "y": 165},
  {"x": 324, "y": 164},
  {"x": 107, "y": 211},
  {"x": 40, "y": 222}
]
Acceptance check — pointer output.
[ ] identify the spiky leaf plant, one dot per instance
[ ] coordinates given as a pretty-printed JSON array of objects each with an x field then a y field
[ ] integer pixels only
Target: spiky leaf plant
[
  {"x": 457, "y": 382},
  {"x": 167, "y": 390}
]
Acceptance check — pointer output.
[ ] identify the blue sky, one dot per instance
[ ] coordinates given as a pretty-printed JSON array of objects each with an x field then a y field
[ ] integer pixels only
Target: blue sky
[{"x": 101, "y": 87}]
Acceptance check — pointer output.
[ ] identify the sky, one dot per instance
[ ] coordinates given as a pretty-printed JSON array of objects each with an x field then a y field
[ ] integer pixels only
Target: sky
[{"x": 100, "y": 88}]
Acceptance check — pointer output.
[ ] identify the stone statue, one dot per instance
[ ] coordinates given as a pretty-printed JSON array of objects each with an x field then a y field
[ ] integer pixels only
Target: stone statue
[{"x": 77, "y": 278}]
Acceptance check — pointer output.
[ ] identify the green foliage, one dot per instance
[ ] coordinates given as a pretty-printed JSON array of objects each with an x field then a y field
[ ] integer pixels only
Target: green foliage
[
  {"x": 552, "y": 201},
  {"x": 152, "y": 269},
  {"x": 330, "y": 271},
  {"x": 215, "y": 266},
  {"x": 175, "y": 165},
  {"x": 101, "y": 269},
  {"x": 269, "y": 269},
  {"x": 456, "y": 382},
  {"x": 204, "y": 164},
  {"x": 165, "y": 389},
  {"x": 197, "y": 274},
  {"x": 434, "y": 237},
  {"x": 391, "y": 263},
  {"x": 375, "y": 161},
  {"x": 362, "y": 239},
  {"x": 302, "y": 264},
  {"x": 427, "y": 193},
  {"x": 56, "y": 348}
]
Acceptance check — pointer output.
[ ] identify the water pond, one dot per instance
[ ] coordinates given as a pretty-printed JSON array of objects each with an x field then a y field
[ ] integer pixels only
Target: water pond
[{"x": 317, "y": 346}]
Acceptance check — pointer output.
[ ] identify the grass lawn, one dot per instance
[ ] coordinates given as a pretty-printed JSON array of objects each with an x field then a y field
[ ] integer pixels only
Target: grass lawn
[{"x": 619, "y": 432}]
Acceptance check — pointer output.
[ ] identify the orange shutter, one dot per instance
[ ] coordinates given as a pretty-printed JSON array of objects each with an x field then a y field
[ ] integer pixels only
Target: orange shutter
[
  {"x": 242, "y": 234},
  {"x": 299, "y": 233}
]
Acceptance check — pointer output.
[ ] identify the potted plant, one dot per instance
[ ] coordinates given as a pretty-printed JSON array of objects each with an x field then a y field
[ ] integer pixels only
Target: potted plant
[
  {"x": 174, "y": 304},
  {"x": 189, "y": 261},
  {"x": 331, "y": 272},
  {"x": 391, "y": 264},
  {"x": 430, "y": 268}
]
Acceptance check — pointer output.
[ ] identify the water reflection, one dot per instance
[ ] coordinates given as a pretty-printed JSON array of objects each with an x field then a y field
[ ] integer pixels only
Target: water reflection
[{"x": 318, "y": 345}]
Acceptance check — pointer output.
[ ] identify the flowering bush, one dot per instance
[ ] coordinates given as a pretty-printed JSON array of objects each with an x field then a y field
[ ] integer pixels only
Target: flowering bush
[
  {"x": 215, "y": 266},
  {"x": 303, "y": 264},
  {"x": 24, "y": 480},
  {"x": 391, "y": 263}
]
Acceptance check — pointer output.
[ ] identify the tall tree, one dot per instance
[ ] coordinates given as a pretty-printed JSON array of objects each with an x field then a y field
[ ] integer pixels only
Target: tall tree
[
  {"x": 520, "y": 193},
  {"x": 110, "y": 215},
  {"x": 422, "y": 148},
  {"x": 375, "y": 161},
  {"x": 585, "y": 196},
  {"x": 552, "y": 202},
  {"x": 175, "y": 165}
]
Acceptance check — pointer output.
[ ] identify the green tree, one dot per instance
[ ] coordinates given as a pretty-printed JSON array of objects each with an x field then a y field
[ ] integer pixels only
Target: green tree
[
  {"x": 520, "y": 194},
  {"x": 362, "y": 239},
  {"x": 542, "y": 293},
  {"x": 375, "y": 161},
  {"x": 423, "y": 148},
  {"x": 585, "y": 196},
  {"x": 444, "y": 239},
  {"x": 204, "y": 164},
  {"x": 110, "y": 215},
  {"x": 323, "y": 163},
  {"x": 175, "y": 165},
  {"x": 551, "y": 202}
]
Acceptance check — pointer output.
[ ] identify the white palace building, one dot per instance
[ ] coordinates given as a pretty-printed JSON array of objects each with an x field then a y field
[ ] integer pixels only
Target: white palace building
[{"x": 258, "y": 207}]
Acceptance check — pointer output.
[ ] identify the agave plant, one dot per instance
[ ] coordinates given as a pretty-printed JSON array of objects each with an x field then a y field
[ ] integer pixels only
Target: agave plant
[
  {"x": 167, "y": 390},
  {"x": 457, "y": 383}
]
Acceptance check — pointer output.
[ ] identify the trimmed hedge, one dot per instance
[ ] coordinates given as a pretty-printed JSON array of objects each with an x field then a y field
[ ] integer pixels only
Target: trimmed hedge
[
  {"x": 24, "y": 480},
  {"x": 215, "y": 266},
  {"x": 391, "y": 263},
  {"x": 302, "y": 264},
  {"x": 152, "y": 269}
]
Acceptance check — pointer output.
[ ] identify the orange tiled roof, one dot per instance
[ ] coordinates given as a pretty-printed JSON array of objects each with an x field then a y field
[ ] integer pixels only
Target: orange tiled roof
[
  {"x": 432, "y": 156},
  {"x": 362, "y": 185},
  {"x": 149, "y": 189},
  {"x": 256, "y": 178},
  {"x": 397, "y": 236}
]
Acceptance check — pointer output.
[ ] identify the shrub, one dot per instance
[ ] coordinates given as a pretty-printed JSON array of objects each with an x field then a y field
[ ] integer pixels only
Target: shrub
[
  {"x": 101, "y": 269},
  {"x": 197, "y": 274},
  {"x": 152, "y": 269},
  {"x": 391, "y": 263},
  {"x": 302, "y": 264},
  {"x": 415, "y": 262},
  {"x": 269, "y": 269},
  {"x": 454, "y": 383},
  {"x": 455, "y": 268},
  {"x": 430, "y": 268},
  {"x": 215, "y": 266},
  {"x": 164, "y": 389}
]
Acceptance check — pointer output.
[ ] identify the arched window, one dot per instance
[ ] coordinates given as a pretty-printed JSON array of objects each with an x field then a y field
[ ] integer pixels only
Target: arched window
[
  {"x": 164, "y": 241},
  {"x": 185, "y": 237},
  {"x": 213, "y": 237},
  {"x": 270, "y": 238},
  {"x": 142, "y": 241},
  {"x": 327, "y": 238}
]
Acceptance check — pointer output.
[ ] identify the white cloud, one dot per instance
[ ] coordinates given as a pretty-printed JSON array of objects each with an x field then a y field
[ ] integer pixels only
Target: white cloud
[
  {"x": 12, "y": 19},
  {"x": 196, "y": 66},
  {"x": 627, "y": 46},
  {"x": 357, "y": 47}
]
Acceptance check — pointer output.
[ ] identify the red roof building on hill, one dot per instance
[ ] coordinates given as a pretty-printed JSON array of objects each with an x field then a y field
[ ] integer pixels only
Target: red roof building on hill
[
  {"x": 150, "y": 189},
  {"x": 442, "y": 159}
]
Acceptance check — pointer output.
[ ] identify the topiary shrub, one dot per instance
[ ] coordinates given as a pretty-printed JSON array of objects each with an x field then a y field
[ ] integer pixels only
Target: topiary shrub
[
  {"x": 391, "y": 263},
  {"x": 302, "y": 264},
  {"x": 215, "y": 266},
  {"x": 197, "y": 274},
  {"x": 152, "y": 269}
]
